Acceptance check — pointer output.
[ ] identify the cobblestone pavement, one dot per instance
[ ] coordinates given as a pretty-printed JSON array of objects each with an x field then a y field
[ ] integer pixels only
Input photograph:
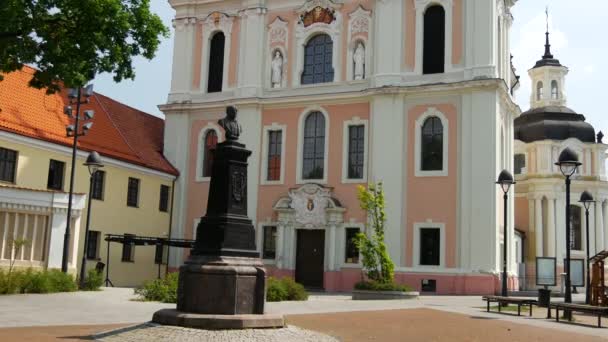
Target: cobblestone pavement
[{"x": 157, "y": 333}]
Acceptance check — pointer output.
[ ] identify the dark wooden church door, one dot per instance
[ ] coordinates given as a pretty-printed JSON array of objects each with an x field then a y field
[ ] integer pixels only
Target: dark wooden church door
[{"x": 310, "y": 253}]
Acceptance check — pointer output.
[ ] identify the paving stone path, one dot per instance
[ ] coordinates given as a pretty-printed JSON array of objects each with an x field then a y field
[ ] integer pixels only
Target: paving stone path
[{"x": 150, "y": 332}]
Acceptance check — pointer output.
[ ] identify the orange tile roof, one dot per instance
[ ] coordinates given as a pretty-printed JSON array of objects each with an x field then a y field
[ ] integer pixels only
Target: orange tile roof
[{"x": 118, "y": 132}]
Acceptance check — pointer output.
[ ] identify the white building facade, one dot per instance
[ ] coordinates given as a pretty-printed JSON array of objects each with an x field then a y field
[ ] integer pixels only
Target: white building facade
[
  {"x": 541, "y": 134},
  {"x": 415, "y": 94}
]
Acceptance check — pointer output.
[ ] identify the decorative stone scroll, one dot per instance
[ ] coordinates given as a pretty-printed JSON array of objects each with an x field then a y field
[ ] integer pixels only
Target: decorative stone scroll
[
  {"x": 318, "y": 15},
  {"x": 278, "y": 32},
  {"x": 359, "y": 21},
  {"x": 218, "y": 21}
]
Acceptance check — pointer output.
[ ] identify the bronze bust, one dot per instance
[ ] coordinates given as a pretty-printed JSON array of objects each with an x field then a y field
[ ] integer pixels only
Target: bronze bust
[{"x": 230, "y": 125}]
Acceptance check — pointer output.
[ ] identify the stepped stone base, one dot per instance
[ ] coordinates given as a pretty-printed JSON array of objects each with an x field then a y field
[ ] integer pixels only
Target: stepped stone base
[{"x": 217, "y": 322}]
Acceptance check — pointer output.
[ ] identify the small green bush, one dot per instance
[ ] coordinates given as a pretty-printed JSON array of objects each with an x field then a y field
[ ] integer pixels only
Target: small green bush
[
  {"x": 160, "y": 290},
  {"x": 30, "y": 281},
  {"x": 284, "y": 289},
  {"x": 93, "y": 281},
  {"x": 371, "y": 285}
]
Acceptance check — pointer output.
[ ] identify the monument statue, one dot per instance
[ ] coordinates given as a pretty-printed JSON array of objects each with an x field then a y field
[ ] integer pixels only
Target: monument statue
[
  {"x": 276, "y": 76},
  {"x": 222, "y": 283},
  {"x": 359, "y": 60},
  {"x": 230, "y": 125}
]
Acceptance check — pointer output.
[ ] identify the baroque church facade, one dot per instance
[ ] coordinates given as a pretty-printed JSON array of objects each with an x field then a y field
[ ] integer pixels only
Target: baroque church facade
[{"x": 334, "y": 94}]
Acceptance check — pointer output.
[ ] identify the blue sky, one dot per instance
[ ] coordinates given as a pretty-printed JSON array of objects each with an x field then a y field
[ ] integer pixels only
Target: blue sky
[{"x": 577, "y": 39}]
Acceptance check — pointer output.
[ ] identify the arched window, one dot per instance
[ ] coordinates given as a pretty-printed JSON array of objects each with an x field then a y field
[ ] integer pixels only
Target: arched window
[
  {"x": 216, "y": 63},
  {"x": 433, "y": 53},
  {"x": 210, "y": 143},
  {"x": 318, "y": 57},
  {"x": 313, "y": 159},
  {"x": 432, "y": 144},
  {"x": 554, "y": 90},
  {"x": 539, "y": 91}
]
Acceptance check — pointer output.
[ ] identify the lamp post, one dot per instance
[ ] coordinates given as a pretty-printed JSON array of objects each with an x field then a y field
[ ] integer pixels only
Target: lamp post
[
  {"x": 505, "y": 180},
  {"x": 74, "y": 130},
  {"x": 568, "y": 163},
  {"x": 587, "y": 200},
  {"x": 93, "y": 163}
]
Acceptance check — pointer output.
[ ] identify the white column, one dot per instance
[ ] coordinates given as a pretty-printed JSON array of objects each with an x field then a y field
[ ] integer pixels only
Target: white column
[
  {"x": 538, "y": 226},
  {"x": 389, "y": 42},
  {"x": 34, "y": 236},
  {"x": 605, "y": 244},
  {"x": 599, "y": 226},
  {"x": 560, "y": 225},
  {"x": 332, "y": 247},
  {"x": 4, "y": 237},
  {"x": 550, "y": 227},
  {"x": 251, "y": 51},
  {"x": 24, "y": 235},
  {"x": 15, "y": 228},
  {"x": 279, "y": 252}
]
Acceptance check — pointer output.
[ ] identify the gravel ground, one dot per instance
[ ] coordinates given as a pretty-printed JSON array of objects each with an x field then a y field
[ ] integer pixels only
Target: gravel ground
[{"x": 150, "y": 332}]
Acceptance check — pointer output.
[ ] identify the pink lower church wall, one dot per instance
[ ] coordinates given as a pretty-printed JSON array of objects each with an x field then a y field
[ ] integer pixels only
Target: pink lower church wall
[{"x": 447, "y": 284}]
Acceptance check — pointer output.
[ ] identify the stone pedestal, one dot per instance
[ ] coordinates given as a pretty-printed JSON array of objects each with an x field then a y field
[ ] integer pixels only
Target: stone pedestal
[{"x": 223, "y": 283}]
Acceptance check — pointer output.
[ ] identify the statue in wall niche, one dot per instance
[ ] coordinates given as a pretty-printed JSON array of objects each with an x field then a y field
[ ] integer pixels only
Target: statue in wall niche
[
  {"x": 359, "y": 61},
  {"x": 276, "y": 70},
  {"x": 230, "y": 125}
]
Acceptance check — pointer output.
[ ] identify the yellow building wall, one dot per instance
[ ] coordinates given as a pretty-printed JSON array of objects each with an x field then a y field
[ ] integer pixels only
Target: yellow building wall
[{"x": 110, "y": 215}]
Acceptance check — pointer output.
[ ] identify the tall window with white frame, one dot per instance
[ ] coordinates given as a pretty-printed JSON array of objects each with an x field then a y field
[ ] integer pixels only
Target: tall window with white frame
[
  {"x": 216, "y": 63},
  {"x": 356, "y": 151},
  {"x": 313, "y": 159},
  {"x": 93, "y": 245},
  {"x": 273, "y": 172},
  {"x": 351, "y": 252},
  {"x": 133, "y": 192},
  {"x": 318, "y": 60},
  {"x": 209, "y": 144},
  {"x": 163, "y": 202},
  {"x": 128, "y": 248},
  {"x": 56, "y": 175},
  {"x": 8, "y": 165},
  {"x": 433, "y": 53},
  {"x": 430, "y": 245},
  {"x": 99, "y": 178},
  {"x": 269, "y": 243},
  {"x": 432, "y": 144},
  {"x": 519, "y": 162}
]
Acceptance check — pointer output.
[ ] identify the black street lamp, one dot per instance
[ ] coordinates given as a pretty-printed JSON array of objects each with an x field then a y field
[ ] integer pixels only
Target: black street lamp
[
  {"x": 505, "y": 179},
  {"x": 568, "y": 163},
  {"x": 74, "y": 130},
  {"x": 94, "y": 164},
  {"x": 587, "y": 200}
]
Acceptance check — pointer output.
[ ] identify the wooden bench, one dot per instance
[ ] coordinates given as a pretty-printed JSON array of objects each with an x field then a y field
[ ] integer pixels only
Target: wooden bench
[
  {"x": 590, "y": 309},
  {"x": 510, "y": 300}
]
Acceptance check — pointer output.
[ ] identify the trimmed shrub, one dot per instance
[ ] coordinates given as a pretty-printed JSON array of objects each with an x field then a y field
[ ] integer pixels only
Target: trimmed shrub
[
  {"x": 160, "y": 290},
  {"x": 371, "y": 285},
  {"x": 284, "y": 289},
  {"x": 30, "y": 281},
  {"x": 93, "y": 281}
]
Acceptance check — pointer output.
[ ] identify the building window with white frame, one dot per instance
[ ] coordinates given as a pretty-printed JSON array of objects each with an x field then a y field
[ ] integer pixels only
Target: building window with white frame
[
  {"x": 128, "y": 248},
  {"x": 432, "y": 144},
  {"x": 269, "y": 242},
  {"x": 273, "y": 170},
  {"x": 313, "y": 158},
  {"x": 433, "y": 55},
  {"x": 430, "y": 247},
  {"x": 210, "y": 142},
  {"x": 133, "y": 192},
  {"x": 97, "y": 190},
  {"x": 318, "y": 60},
  {"x": 351, "y": 252},
  {"x": 356, "y": 151},
  {"x": 56, "y": 175},
  {"x": 519, "y": 162},
  {"x": 8, "y": 165},
  {"x": 216, "y": 63},
  {"x": 93, "y": 241}
]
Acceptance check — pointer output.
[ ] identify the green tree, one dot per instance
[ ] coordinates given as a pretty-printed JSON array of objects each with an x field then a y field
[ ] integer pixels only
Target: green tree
[
  {"x": 376, "y": 261},
  {"x": 70, "y": 41}
]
